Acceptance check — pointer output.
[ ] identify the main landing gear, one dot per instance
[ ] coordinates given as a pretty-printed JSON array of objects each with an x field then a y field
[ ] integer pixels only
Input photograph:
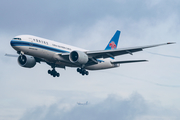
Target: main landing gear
[
  {"x": 53, "y": 72},
  {"x": 82, "y": 71}
]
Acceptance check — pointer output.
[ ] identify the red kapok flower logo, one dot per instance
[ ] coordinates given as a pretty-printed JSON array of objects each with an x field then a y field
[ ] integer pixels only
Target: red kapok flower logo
[{"x": 112, "y": 45}]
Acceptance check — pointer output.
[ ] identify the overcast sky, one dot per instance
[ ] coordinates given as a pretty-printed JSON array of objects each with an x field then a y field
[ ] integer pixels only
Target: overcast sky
[{"x": 139, "y": 91}]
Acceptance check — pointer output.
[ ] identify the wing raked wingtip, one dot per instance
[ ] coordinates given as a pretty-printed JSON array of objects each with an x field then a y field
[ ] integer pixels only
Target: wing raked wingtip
[{"x": 171, "y": 43}]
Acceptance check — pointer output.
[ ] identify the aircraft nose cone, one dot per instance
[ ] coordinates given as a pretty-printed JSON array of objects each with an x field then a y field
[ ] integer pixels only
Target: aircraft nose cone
[{"x": 11, "y": 43}]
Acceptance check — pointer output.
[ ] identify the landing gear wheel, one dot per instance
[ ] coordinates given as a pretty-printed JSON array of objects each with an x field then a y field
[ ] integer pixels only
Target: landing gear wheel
[
  {"x": 78, "y": 70},
  {"x": 58, "y": 74},
  {"x": 49, "y": 71},
  {"x": 82, "y": 71},
  {"x": 87, "y": 73},
  {"x": 54, "y": 73}
]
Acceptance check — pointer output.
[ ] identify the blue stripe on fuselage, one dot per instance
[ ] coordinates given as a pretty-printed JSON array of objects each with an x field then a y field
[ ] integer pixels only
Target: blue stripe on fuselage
[{"x": 25, "y": 43}]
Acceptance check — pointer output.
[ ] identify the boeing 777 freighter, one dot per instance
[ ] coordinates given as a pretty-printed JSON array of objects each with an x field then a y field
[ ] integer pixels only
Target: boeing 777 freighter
[{"x": 32, "y": 49}]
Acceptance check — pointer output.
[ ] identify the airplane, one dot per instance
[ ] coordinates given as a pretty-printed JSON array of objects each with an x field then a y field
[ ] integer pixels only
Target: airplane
[
  {"x": 86, "y": 103},
  {"x": 32, "y": 50}
]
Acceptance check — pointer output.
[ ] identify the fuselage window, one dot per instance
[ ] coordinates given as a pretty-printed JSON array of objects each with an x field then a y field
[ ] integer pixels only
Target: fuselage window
[{"x": 17, "y": 38}]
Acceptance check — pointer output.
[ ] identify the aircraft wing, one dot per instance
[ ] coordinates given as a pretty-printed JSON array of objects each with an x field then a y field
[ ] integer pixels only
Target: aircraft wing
[
  {"x": 122, "y": 51},
  {"x": 94, "y": 55}
]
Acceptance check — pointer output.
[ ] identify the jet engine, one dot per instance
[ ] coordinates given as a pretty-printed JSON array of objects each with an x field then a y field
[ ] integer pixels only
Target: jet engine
[
  {"x": 78, "y": 57},
  {"x": 26, "y": 61}
]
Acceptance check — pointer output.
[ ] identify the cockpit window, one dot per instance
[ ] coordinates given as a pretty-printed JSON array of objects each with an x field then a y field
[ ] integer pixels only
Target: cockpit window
[{"x": 17, "y": 38}]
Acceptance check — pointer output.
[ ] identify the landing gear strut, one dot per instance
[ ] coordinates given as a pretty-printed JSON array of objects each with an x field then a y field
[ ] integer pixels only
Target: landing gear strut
[
  {"x": 82, "y": 71},
  {"x": 53, "y": 72}
]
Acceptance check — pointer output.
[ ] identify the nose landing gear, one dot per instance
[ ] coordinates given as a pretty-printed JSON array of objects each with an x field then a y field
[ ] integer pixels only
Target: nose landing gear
[
  {"x": 82, "y": 71},
  {"x": 53, "y": 72}
]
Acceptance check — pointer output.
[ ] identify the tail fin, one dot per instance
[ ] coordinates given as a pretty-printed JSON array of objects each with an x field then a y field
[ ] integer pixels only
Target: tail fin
[{"x": 114, "y": 41}]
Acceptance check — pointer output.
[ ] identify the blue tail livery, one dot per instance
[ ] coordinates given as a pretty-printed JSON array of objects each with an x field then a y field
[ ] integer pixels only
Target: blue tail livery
[{"x": 114, "y": 41}]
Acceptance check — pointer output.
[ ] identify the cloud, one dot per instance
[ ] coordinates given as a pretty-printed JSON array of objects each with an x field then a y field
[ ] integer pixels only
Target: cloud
[
  {"x": 113, "y": 107},
  {"x": 44, "y": 17}
]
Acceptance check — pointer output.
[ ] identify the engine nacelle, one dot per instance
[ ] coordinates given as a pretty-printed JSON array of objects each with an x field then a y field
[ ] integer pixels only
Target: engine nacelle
[
  {"x": 26, "y": 61},
  {"x": 78, "y": 57}
]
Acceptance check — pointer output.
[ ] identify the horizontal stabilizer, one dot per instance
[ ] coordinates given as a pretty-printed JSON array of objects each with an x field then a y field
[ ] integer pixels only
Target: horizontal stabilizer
[
  {"x": 129, "y": 61},
  {"x": 10, "y": 55}
]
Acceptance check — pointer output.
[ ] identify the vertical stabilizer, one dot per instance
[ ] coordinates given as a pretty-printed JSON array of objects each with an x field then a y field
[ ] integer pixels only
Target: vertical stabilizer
[{"x": 114, "y": 41}]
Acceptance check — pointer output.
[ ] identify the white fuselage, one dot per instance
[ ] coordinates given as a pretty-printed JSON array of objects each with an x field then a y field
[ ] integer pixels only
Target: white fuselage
[{"x": 49, "y": 51}]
